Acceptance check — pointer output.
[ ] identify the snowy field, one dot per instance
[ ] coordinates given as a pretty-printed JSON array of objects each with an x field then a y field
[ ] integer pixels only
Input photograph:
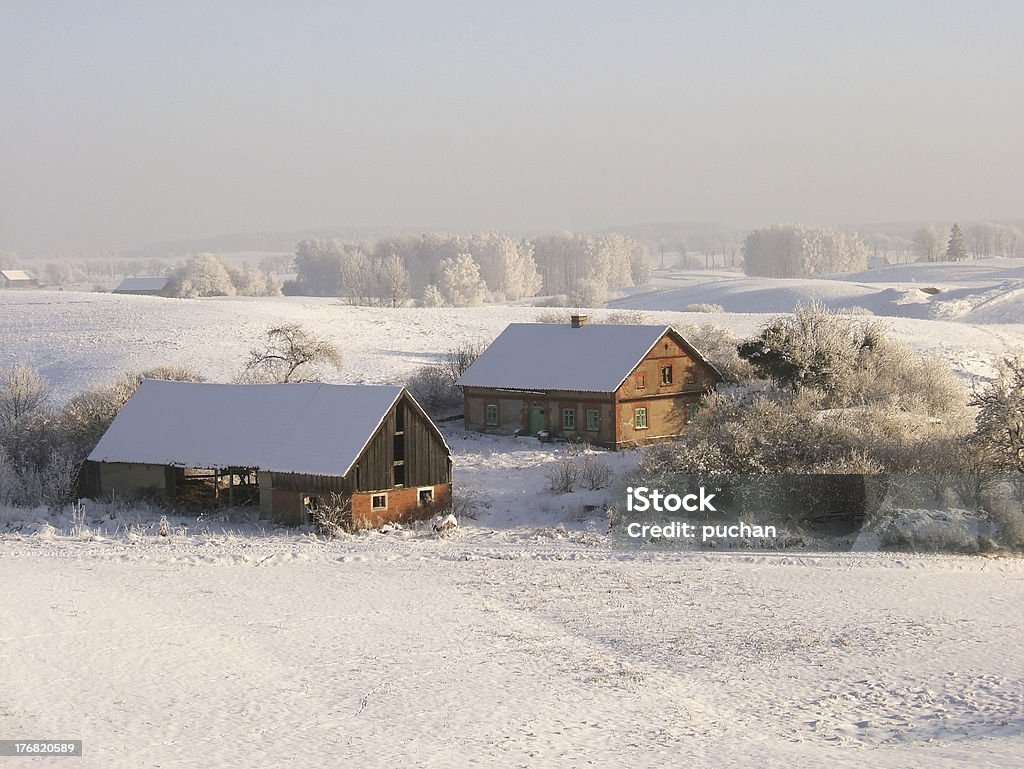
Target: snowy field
[
  {"x": 986, "y": 291},
  {"x": 506, "y": 648},
  {"x": 524, "y": 639}
]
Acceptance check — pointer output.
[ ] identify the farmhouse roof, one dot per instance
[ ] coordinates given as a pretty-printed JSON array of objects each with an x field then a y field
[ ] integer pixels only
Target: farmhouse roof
[
  {"x": 156, "y": 283},
  {"x": 318, "y": 429},
  {"x": 549, "y": 356},
  {"x": 17, "y": 275}
]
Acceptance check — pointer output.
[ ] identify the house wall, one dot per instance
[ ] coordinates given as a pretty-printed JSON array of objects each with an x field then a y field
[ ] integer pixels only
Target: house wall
[
  {"x": 666, "y": 418},
  {"x": 514, "y": 411}
]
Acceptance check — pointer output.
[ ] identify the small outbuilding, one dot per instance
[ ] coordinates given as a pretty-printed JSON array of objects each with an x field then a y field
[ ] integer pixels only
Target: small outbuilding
[
  {"x": 17, "y": 279},
  {"x": 610, "y": 385},
  {"x": 147, "y": 286},
  {"x": 288, "y": 448}
]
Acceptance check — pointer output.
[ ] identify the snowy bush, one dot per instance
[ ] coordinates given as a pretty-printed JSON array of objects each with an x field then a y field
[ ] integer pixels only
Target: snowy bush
[
  {"x": 626, "y": 318},
  {"x": 333, "y": 517},
  {"x": 562, "y": 476},
  {"x": 703, "y": 307},
  {"x": 595, "y": 472},
  {"x": 719, "y": 346},
  {"x": 468, "y": 502}
]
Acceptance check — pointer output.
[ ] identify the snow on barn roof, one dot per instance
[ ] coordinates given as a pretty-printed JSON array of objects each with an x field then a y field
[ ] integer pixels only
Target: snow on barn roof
[
  {"x": 142, "y": 284},
  {"x": 16, "y": 275},
  {"x": 548, "y": 356},
  {"x": 312, "y": 428}
]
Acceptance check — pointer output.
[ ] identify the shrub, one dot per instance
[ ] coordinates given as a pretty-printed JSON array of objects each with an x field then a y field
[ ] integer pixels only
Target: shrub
[
  {"x": 703, "y": 307},
  {"x": 433, "y": 388},
  {"x": 626, "y": 318},
  {"x": 562, "y": 476},
  {"x": 333, "y": 517},
  {"x": 595, "y": 472}
]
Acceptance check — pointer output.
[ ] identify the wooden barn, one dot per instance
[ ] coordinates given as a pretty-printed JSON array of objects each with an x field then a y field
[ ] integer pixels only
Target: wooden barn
[
  {"x": 146, "y": 286},
  {"x": 611, "y": 385},
  {"x": 285, "y": 447},
  {"x": 17, "y": 279}
]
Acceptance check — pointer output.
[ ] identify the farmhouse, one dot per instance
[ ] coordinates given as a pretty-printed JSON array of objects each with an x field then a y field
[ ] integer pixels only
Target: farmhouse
[
  {"x": 610, "y": 385},
  {"x": 287, "y": 447},
  {"x": 148, "y": 286},
  {"x": 17, "y": 279}
]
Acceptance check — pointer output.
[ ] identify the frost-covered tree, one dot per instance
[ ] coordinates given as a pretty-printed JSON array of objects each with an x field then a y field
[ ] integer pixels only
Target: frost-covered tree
[
  {"x": 927, "y": 244},
  {"x": 1001, "y": 414},
  {"x": 793, "y": 251},
  {"x": 812, "y": 347},
  {"x": 432, "y": 297},
  {"x": 203, "y": 275},
  {"x": 956, "y": 249},
  {"x": 392, "y": 281},
  {"x": 290, "y": 353},
  {"x": 460, "y": 283}
]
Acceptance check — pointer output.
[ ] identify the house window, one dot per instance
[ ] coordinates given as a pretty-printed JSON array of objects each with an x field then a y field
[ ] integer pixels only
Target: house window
[
  {"x": 640, "y": 418},
  {"x": 568, "y": 419},
  {"x": 491, "y": 415},
  {"x": 593, "y": 419},
  {"x": 379, "y": 502},
  {"x": 666, "y": 375},
  {"x": 691, "y": 412},
  {"x": 641, "y": 381},
  {"x": 425, "y": 496}
]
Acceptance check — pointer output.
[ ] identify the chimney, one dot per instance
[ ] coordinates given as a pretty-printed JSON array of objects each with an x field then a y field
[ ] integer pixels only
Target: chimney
[{"x": 579, "y": 320}]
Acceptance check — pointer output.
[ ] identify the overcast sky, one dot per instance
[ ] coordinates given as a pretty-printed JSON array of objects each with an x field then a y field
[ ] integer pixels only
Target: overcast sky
[{"x": 127, "y": 123}]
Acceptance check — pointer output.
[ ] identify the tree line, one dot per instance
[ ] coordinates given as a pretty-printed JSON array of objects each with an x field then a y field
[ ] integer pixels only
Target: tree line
[{"x": 465, "y": 270}]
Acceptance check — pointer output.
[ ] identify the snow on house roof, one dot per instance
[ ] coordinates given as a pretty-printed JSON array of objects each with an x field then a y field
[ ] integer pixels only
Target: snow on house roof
[
  {"x": 548, "y": 356},
  {"x": 16, "y": 275},
  {"x": 142, "y": 284},
  {"x": 312, "y": 428}
]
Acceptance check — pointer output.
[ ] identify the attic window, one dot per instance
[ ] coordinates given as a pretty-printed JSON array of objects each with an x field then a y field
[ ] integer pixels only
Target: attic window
[
  {"x": 666, "y": 375},
  {"x": 641, "y": 381},
  {"x": 379, "y": 502}
]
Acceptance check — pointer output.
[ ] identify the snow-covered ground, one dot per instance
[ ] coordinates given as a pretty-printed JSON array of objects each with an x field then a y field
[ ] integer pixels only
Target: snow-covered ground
[
  {"x": 81, "y": 339},
  {"x": 506, "y": 649},
  {"x": 524, "y": 639},
  {"x": 984, "y": 291}
]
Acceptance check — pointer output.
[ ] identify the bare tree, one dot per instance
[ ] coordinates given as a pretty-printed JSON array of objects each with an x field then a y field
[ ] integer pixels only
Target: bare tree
[
  {"x": 23, "y": 391},
  {"x": 290, "y": 353}
]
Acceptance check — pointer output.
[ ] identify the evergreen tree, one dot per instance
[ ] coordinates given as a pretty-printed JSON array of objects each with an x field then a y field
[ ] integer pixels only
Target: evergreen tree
[{"x": 956, "y": 250}]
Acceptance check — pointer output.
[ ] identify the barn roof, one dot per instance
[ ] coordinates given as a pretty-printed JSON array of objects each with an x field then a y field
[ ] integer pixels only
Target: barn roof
[
  {"x": 17, "y": 275},
  {"x": 155, "y": 283},
  {"x": 549, "y": 356},
  {"x": 318, "y": 429}
]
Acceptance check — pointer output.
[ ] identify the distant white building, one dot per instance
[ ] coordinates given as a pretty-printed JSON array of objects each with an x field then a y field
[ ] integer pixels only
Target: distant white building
[
  {"x": 17, "y": 279},
  {"x": 149, "y": 286}
]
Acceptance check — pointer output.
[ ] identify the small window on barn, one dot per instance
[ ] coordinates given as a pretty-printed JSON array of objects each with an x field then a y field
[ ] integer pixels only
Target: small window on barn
[
  {"x": 666, "y": 375},
  {"x": 593, "y": 419},
  {"x": 399, "y": 473},
  {"x": 425, "y": 496},
  {"x": 568, "y": 419},
  {"x": 641, "y": 381},
  {"x": 491, "y": 417},
  {"x": 311, "y": 503},
  {"x": 640, "y": 418},
  {"x": 691, "y": 412},
  {"x": 379, "y": 502}
]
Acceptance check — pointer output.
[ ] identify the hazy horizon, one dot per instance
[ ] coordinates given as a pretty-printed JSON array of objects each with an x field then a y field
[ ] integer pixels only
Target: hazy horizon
[{"x": 129, "y": 124}]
